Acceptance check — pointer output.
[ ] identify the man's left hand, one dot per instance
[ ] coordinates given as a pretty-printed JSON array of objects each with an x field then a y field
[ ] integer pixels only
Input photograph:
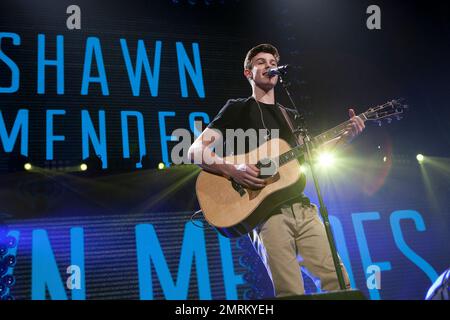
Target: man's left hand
[{"x": 354, "y": 128}]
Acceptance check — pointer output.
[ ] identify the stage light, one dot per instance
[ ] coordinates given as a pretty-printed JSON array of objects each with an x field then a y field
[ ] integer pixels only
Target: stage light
[
  {"x": 11, "y": 242},
  {"x": 161, "y": 166},
  {"x": 303, "y": 169},
  {"x": 250, "y": 277},
  {"x": 244, "y": 260},
  {"x": 384, "y": 159},
  {"x": 440, "y": 290},
  {"x": 27, "y": 166},
  {"x": 7, "y": 262},
  {"x": 3, "y": 249},
  {"x": 10, "y": 261},
  {"x": 250, "y": 294},
  {"x": 3, "y": 269},
  {"x": 243, "y": 243},
  {"x": 326, "y": 159},
  {"x": 420, "y": 158},
  {"x": 83, "y": 167},
  {"x": 8, "y": 280}
]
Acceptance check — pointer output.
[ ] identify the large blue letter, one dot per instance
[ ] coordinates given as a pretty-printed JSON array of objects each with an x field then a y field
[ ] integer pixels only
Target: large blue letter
[
  {"x": 93, "y": 47},
  {"x": 396, "y": 216},
  {"x": 184, "y": 64},
  {"x": 45, "y": 273},
  {"x": 358, "y": 219},
  {"x": 141, "y": 136},
  {"x": 149, "y": 250},
  {"x": 135, "y": 74},
  {"x": 49, "y": 136},
  {"x": 59, "y": 63},
  {"x": 194, "y": 129},
  {"x": 15, "y": 72},
  {"x": 230, "y": 279},
  {"x": 21, "y": 123},
  {"x": 77, "y": 258},
  {"x": 88, "y": 133}
]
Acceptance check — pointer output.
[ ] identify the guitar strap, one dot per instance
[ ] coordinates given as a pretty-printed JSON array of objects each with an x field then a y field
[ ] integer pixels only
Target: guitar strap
[{"x": 290, "y": 124}]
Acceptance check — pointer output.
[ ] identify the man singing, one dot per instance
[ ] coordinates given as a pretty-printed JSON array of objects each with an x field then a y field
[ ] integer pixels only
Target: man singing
[{"x": 292, "y": 236}]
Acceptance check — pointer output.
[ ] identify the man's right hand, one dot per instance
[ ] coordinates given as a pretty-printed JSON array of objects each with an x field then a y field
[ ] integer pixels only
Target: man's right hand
[
  {"x": 247, "y": 176},
  {"x": 244, "y": 174}
]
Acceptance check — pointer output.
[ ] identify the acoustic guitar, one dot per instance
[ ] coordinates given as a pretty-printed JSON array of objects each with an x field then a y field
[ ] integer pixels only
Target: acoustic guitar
[{"x": 235, "y": 210}]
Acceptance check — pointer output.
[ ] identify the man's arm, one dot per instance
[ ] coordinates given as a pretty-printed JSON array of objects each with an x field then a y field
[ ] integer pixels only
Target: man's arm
[{"x": 200, "y": 153}]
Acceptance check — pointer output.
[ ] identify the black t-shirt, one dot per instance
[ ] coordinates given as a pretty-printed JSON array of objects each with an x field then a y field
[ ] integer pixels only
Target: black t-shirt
[{"x": 245, "y": 114}]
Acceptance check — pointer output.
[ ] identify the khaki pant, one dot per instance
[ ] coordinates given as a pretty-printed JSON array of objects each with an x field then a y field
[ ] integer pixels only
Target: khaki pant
[{"x": 292, "y": 238}]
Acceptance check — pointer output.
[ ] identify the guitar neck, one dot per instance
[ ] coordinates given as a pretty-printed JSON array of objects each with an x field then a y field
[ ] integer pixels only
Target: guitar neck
[
  {"x": 334, "y": 132},
  {"x": 388, "y": 110},
  {"x": 322, "y": 138}
]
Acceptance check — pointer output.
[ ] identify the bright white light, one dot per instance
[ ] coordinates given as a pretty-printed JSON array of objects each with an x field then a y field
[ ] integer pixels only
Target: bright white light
[
  {"x": 83, "y": 167},
  {"x": 27, "y": 166},
  {"x": 420, "y": 158},
  {"x": 326, "y": 159}
]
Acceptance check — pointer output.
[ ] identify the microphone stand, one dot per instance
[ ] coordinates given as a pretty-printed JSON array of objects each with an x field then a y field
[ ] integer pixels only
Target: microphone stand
[{"x": 302, "y": 130}]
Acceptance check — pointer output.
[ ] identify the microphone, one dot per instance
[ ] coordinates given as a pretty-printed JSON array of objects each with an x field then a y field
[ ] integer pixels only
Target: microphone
[{"x": 280, "y": 70}]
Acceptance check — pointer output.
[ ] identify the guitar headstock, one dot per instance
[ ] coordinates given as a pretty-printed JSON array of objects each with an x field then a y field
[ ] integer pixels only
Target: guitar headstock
[{"x": 391, "y": 110}]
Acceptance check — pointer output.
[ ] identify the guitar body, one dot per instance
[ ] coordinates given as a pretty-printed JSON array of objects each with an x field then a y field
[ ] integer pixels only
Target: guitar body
[{"x": 234, "y": 210}]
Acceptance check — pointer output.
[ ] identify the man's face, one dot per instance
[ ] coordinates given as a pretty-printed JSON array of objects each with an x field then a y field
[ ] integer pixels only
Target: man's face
[{"x": 261, "y": 63}]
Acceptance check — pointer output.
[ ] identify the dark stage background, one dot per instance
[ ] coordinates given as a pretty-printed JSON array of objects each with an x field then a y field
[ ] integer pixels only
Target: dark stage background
[{"x": 387, "y": 210}]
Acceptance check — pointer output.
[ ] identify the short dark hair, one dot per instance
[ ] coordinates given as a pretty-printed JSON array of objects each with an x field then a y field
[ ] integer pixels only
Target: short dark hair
[{"x": 264, "y": 47}]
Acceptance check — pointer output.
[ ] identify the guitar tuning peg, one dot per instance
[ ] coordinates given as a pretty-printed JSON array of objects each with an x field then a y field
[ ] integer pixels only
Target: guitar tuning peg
[{"x": 398, "y": 117}]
